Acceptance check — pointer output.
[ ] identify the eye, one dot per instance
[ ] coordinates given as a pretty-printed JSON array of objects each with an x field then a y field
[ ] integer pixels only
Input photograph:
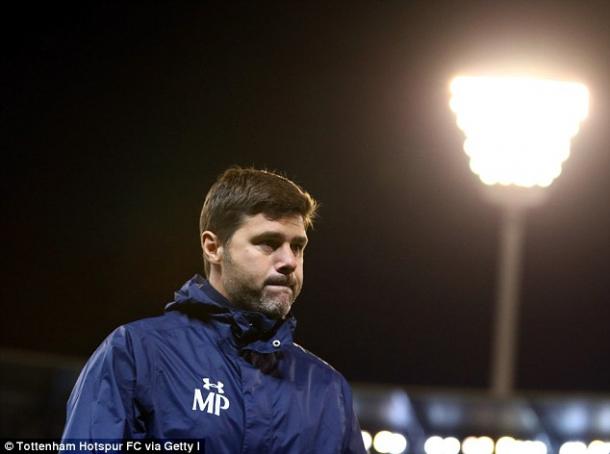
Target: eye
[
  {"x": 268, "y": 245},
  {"x": 298, "y": 248}
]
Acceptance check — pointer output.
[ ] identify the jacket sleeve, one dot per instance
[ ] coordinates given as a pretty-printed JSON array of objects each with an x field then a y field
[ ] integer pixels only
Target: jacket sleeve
[
  {"x": 353, "y": 443},
  {"x": 101, "y": 405}
]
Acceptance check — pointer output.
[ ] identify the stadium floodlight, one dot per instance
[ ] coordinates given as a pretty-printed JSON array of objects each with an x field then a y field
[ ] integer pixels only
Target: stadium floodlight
[
  {"x": 440, "y": 445},
  {"x": 533, "y": 447},
  {"x": 518, "y": 133},
  {"x": 573, "y": 447},
  {"x": 505, "y": 445},
  {"x": 434, "y": 445},
  {"x": 367, "y": 439},
  {"x": 509, "y": 445},
  {"x": 518, "y": 129},
  {"x": 389, "y": 442},
  {"x": 598, "y": 447},
  {"x": 478, "y": 445},
  {"x": 451, "y": 445}
]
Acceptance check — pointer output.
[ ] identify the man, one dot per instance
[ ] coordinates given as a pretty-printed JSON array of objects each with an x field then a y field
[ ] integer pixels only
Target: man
[{"x": 220, "y": 365}]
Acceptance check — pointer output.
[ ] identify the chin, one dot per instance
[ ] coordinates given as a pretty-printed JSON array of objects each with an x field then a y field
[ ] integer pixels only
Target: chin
[{"x": 276, "y": 308}]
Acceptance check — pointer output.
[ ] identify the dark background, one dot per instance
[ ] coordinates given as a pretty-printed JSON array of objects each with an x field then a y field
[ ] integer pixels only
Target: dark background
[{"x": 116, "y": 120}]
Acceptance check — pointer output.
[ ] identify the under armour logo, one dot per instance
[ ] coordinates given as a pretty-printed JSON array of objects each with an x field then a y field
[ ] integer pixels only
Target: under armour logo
[
  {"x": 214, "y": 402},
  {"x": 207, "y": 385}
]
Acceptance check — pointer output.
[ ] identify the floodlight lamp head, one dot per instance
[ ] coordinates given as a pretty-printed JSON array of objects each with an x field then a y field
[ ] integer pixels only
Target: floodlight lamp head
[{"x": 518, "y": 129}]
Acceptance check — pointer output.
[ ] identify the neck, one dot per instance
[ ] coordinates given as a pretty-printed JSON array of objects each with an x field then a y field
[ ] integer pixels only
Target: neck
[{"x": 216, "y": 282}]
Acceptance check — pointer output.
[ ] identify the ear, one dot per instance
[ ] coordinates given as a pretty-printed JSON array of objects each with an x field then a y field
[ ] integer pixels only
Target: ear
[{"x": 212, "y": 248}]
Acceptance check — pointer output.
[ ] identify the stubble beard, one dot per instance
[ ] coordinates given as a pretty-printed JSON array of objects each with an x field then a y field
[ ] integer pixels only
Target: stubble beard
[{"x": 246, "y": 294}]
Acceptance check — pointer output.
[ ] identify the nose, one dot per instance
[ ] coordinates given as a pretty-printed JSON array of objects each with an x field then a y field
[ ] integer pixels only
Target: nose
[{"x": 286, "y": 261}]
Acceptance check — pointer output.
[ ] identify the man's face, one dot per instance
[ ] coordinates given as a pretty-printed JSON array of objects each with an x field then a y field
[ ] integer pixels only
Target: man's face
[{"x": 262, "y": 264}]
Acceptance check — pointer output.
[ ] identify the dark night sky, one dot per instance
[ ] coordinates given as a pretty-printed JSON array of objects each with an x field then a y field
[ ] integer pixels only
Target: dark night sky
[{"x": 115, "y": 121}]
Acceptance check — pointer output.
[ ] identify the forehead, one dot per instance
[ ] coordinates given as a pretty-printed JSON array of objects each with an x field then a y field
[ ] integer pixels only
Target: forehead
[{"x": 290, "y": 226}]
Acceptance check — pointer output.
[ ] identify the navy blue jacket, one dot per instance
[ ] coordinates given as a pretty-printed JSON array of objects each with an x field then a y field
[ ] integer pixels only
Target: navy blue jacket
[{"x": 233, "y": 379}]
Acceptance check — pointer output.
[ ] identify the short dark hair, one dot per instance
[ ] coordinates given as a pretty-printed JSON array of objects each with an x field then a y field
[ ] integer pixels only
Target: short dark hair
[{"x": 240, "y": 192}]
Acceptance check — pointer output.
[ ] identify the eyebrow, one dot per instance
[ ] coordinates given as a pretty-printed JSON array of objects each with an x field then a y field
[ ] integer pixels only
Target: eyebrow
[{"x": 300, "y": 240}]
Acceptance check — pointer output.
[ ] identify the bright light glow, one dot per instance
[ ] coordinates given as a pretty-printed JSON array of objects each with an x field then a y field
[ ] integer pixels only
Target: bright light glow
[
  {"x": 470, "y": 445},
  {"x": 451, "y": 445},
  {"x": 504, "y": 444},
  {"x": 434, "y": 445},
  {"x": 439, "y": 445},
  {"x": 389, "y": 443},
  {"x": 532, "y": 447},
  {"x": 508, "y": 445},
  {"x": 478, "y": 445},
  {"x": 598, "y": 447},
  {"x": 518, "y": 129},
  {"x": 573, "y": 447},
  {"x": 367, "y": 439}
]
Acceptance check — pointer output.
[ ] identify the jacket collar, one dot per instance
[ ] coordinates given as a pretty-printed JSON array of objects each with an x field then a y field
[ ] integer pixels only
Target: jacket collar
[{"x": 259, "y": 332}]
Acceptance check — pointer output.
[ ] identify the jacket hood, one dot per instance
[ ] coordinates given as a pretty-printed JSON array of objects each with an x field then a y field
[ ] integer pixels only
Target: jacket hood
[{"x": 198, "y": 295}]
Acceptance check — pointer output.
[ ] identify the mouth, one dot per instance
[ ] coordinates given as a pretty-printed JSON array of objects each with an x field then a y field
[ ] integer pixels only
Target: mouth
[{"x": 279, "y": 287}]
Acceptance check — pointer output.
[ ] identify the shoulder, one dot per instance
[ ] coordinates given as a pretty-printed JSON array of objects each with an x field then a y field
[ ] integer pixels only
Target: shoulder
[
  {"x": 139, "y": 337},
  {"x": 130, "y": 350},
  {"x": 159, "y": 323},
  {"x": 314, "y": 361},
  {"x": 148, "y": 329},
  {"x": 330, "y": 385}
]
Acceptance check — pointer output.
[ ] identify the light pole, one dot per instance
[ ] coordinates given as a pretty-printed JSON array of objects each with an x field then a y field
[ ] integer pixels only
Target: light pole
[{"x": 518, "y": 132}]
